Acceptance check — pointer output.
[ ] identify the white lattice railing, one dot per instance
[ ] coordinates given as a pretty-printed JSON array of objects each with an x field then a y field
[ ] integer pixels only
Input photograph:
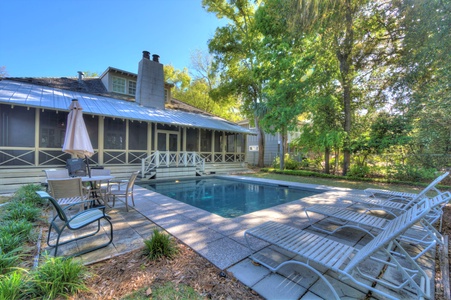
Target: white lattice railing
[{"x": 168, "y": 159}]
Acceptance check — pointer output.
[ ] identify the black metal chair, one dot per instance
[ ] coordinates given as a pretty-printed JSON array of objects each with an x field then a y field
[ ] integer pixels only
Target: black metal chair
[{"x": 62, "y": 221}]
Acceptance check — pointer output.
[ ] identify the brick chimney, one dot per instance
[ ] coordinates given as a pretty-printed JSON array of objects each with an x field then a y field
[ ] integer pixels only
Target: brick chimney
[{"x": 150, "y": 83}]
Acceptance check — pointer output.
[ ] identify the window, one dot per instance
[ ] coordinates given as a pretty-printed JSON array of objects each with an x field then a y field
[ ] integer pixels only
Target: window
[
  {"x": 15, "y": 120},
  {"x": 132, "y": 87},
  {"x": 114, "y": 135},
  {"x": 119, "y": 85}
]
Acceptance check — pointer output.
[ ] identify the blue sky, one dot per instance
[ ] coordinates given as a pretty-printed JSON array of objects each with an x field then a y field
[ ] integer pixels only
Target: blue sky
[{"x": 55, "y": 38}]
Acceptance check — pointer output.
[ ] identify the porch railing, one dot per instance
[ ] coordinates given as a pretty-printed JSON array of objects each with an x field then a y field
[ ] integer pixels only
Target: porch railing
[{"x": 171, "y": 159}]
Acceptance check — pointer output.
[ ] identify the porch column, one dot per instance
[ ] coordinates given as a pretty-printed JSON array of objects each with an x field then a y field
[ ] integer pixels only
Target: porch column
[
  {"x": 101, "y": 146},
  {"x": 37, "y": 129},
  {"x": 223, "y": 146},
  {"x": 149, "y": 139},
  {"x": 184, "y": 139}
]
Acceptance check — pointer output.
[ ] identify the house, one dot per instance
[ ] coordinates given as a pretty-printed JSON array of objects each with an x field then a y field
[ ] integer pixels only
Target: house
[
  {"x": 133, "y": 123},
  {"x": 272, "y": 145}
]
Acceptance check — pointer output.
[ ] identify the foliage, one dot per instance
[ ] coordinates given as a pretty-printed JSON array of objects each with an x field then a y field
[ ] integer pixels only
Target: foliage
[
  {"x": 20, "y": 228},
  {"x": 16, "y": 211},
  {"x": 9, "y": 242},
  {"x": 413, "y": 173},
  {"x": 289, "y": 162},
  {"x": 196, "y": 90},
  {"x": 58, "y": 276},
  {"x": 159, "y": 245},
  {"x": 27, "y": 194},
  {"x": 13, "y": 285},
  {"x": 233, "y": 48},
  {"x": 9, "y": 259},
  {"x": 360, "y": 171},
  {"x": 422, "y": 89}
]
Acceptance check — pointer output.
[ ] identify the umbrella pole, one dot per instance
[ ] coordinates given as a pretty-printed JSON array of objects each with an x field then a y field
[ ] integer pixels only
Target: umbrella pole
[{"x": 87, "y": 165}]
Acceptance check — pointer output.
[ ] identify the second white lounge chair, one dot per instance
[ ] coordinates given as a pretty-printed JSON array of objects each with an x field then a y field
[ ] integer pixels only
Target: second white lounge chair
[{"x": 315, "y": 251}]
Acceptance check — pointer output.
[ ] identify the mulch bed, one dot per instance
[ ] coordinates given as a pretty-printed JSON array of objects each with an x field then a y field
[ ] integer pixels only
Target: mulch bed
[{"x": 122, "y": 275}]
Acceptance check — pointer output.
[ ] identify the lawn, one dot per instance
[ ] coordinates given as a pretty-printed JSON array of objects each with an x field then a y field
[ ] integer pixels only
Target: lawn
[{"x": 343, "y": 183}]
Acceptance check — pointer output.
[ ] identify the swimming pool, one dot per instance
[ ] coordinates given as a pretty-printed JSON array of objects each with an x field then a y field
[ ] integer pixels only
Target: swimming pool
[{"x": 226, "y": 197}]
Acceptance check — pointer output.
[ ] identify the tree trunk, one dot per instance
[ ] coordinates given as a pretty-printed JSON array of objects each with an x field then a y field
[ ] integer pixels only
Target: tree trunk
[
  {"x": 282, "y": 151},
  {"x": 344, "y": 55},
  {"x": 327, "y": 160},
  {"x": 261, "y": 144}
]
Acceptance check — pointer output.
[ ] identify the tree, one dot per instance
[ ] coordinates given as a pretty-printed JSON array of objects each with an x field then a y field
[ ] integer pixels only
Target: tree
[
  {"x": 196, "y": 92},
  {"x": 233, "y": 48},
  {"x": 360, "y": 35},
  {"x": 425, "y": 73}
]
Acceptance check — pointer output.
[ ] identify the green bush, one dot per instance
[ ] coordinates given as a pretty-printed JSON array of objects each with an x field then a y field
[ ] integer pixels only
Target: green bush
[
  {"x": 413, "y": 173},
  {"x": 27, "y": 194},
  {"x": 159, "y": 245},
  {"x": 9, "y": 242},
  {"x": 13, "y": 285},
  {"x": 9, "y": 260},
  {"x": 58, "y": 276},
  {"x": 21, "y": 210},
  {"x": 358, "y": 171},
  {"x": 289, "y": 163},
  {"x": 21, "y": 228}
]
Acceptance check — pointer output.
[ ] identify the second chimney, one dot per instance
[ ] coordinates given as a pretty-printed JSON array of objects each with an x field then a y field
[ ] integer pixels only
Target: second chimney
[{"x": 150, "y": 83}]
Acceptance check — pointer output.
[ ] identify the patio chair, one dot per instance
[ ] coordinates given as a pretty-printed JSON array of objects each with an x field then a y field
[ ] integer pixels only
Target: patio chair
[
  {"x": 56, "y": 173},
  {"x": 121, "y": 191},
  {"x": 349, "y": 218},
  {"x": 63, "y": 223},
  {"x": 402, "y": 195},
  {"x": 101, "y": 187},
  {"x": 394, "y": 205},
  {"x": 69, "y": 191},
  {"x": 316, "y": 252}
]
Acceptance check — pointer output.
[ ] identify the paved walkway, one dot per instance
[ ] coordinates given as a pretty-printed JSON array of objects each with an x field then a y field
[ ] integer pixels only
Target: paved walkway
[{"x": 222, "y": 242}]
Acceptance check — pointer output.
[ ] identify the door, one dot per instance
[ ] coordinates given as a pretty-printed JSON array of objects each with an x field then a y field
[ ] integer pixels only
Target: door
[{"x": 168, "y": 141}]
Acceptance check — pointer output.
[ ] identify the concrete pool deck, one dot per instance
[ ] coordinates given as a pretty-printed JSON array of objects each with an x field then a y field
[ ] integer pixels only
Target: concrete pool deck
[{"x": 221, "y": 241}]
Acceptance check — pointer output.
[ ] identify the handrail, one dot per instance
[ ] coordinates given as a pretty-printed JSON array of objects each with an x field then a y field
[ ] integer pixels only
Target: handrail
[{"x": 168, "y": 158}]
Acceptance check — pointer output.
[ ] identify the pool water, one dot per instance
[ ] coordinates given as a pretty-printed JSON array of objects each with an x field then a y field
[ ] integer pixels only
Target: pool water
[{"x": 228, "y": 198}]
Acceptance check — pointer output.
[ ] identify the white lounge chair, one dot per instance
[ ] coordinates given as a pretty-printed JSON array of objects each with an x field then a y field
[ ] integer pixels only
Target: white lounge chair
[
  {"x": 402, "y": 195},
  {"x": 349, "y": 218},
  {"x": 315, "y": 250},
  {"x": 393, "y": 205}
]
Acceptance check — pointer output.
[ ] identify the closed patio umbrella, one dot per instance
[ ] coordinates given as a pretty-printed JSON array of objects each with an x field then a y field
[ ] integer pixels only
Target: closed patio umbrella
[{"x": 77, "y": 141}]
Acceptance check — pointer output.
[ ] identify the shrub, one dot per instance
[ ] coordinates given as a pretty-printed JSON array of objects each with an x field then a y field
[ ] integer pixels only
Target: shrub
[
  {"x": 20, "y": 210},
  {"x": 9, "y": 242},
  {"x": 289, "y": 163},
  {"x": 413, "y": 173},
  {"x": 13, "y": 285},
  {"x": 159, "y": 245},
  {"x": 27, "y": 194},
  {"x": 58, "y": 276},
  {"x": 9, "y": 260},
  {"x": 358, "y": 171},
  {"x": 21, "y": 228}
]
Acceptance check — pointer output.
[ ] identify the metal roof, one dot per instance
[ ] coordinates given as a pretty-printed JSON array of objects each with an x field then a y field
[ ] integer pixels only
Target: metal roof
[{"x": 30, "y": 95}]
